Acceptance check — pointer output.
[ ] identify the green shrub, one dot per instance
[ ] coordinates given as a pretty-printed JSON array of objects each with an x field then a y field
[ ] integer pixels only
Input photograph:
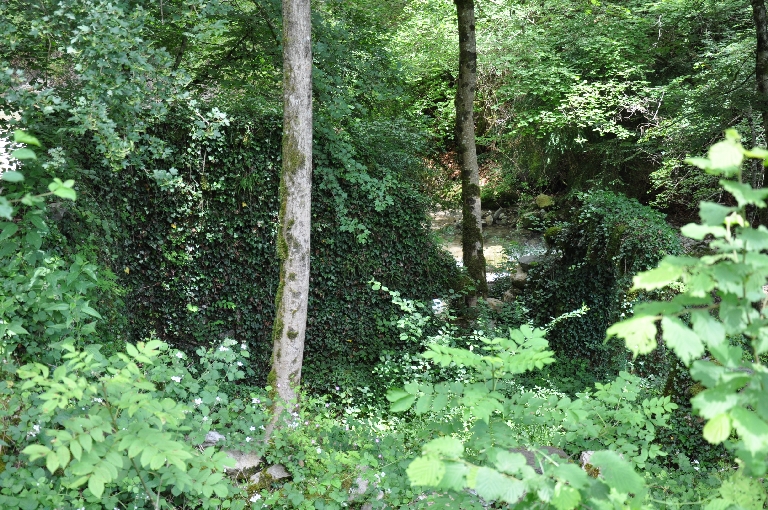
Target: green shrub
[{"x": 592, "y": 261}]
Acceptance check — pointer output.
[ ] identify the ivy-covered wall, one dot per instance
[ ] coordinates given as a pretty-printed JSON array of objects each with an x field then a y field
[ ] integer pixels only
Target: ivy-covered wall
[{"x": 196, "y": 251}]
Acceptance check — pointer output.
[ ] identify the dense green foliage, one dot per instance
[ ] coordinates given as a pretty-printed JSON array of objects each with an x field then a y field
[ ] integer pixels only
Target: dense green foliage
[
  {"x": 137, "y": 318},
  {"x": 593, "y": 257},
  {"x": 179, "y": 186}
]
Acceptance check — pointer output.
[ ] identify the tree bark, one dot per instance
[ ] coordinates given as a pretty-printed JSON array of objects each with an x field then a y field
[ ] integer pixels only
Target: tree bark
[
  {"x": 472, "y": 227},
  {"x": 761, "y": 60},
  {"x": 294, "y": 215}
]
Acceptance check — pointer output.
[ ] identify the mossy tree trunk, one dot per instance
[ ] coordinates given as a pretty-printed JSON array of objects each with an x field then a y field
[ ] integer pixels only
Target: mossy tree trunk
[
  {"x": 471, "y": 233},
  {"x": 294, "y": 216}
]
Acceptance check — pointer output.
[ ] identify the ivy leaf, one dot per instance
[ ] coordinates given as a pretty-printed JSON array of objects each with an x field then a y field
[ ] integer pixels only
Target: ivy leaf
[
  {"x": 618, "y": 473},
  {"x": 686, "y": 344},
  {"x": 718, "y": 429},
  {"x": 639, "y": 333},
  {"x": 426, "y": 470}
]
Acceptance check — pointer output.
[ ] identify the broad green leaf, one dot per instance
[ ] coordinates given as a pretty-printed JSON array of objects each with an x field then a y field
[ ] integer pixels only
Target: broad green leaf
[
  {"x": 76, "y": 449},
  {"x": 657, "y": 278},
  {"x": 24, "y": 154},
  {"x": 8, "y": 229},
  {"x": 725, "y": 158},
  {"x": 508, "y": 462},
  {"x": 639, "y": 333},
  {"x": 751, "y": 428},
  {"x": 699, "y": 232},
  {"x": 714, "y": 214},
  {"x": 33, "y": 239},
  {"x": 426, "y": 470},
  {"x": 745, "y": 194},
  {"x": 565, "y": 497},
  {"x": 714, "y": 401},
  {"x": 63, "y": 453},
  {"x": 708, "y": 329},
  {"x": 12, "y": 176},
  {"x": 718, "y": 429},
  {"x": 67, "y": 193},
  {"x": 6, "y": 210},
  {"x": 52, "y": 461},
  {"x": 90, "y": 311},
  {"x": 492, "y": 486},
  {"x": 686, "y": 344},
  {"x": 423, "y": 404},
  {"x": 403, "y": 404},
  {"x": 455, "y": 476},
  {"x": 575, "y": 475},
  {"x": 743, "y": 491},
  {"x": 96, "y": 484},
  {"x": 618, "y": 473},
  {"x": 445, "y": 446},
  {"x": 440, "y": 401},
  {"x": 36, "y": 451},
  {"x": 22, "y": 137}
]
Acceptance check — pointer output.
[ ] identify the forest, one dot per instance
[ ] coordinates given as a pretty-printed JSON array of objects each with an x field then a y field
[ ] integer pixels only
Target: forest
[{"x": 383, "y": 254}]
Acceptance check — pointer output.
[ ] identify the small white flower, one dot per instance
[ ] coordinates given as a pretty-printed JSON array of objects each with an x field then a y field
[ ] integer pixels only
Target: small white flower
[
  {"x": 218, "y": 399},
  {"x": 248, "y": 439},
  {"x": 255, "y": 498},
  {"x": 244, "y": 347},
  {"x": 255, "y": 401},
  {"x": 252, "y": 428},
  {"x": 223, "y": 349},
  {"x": 205, "y": 418},
  {"x": 198, "y": 401},
  {"x": 239, "y": 363},
  {"x": 176, "y": 378},
  {"x": 180, "y": 355},
  {"x": 97, "y": 399},
  {"x": 319, "y": 450}
]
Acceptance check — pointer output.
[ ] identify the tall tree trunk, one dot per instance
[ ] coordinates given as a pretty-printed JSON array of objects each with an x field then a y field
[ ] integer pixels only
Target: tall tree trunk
[
  {"x": 761, "y": 60},
  {"x": 761, "y": 75},
  {"x": 471, "y": 232},
  {"x": 294, "y": 216}
]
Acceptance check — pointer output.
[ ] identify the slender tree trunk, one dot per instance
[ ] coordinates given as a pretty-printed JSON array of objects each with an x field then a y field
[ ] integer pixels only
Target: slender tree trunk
[
  {"x": 472, "y": 227},
  {"x": 761, "y": 75},
  {"x": 294, "y": 216}
]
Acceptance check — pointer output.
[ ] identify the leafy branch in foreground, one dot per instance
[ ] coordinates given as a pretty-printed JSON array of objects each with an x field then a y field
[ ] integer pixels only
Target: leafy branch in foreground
[{"x": 717, "y": 325}]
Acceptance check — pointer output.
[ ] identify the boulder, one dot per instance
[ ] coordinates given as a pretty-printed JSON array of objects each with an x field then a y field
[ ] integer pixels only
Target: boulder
[
  {"x": 509, "y": 296},
  {"x": 495, "y": 304},
  {"x": 518, "y": 278},
  {"x": 528, "y": 261}
]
